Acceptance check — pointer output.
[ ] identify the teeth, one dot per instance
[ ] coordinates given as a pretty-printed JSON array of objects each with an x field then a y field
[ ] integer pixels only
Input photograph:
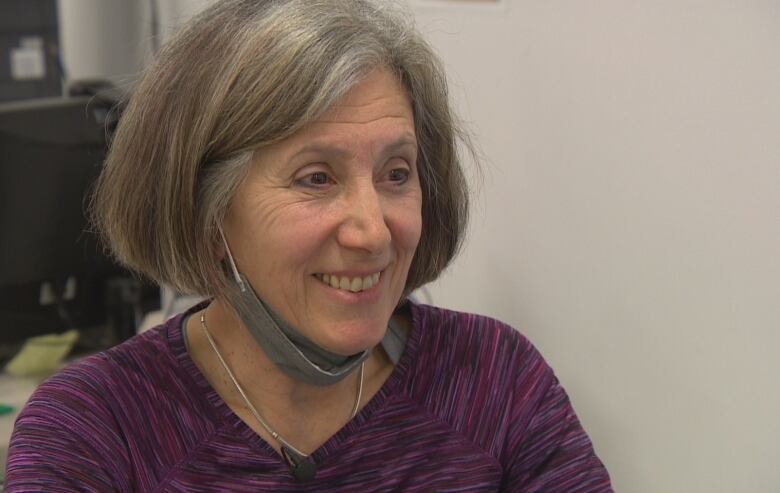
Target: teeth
[{"x": 354, "y": 284}]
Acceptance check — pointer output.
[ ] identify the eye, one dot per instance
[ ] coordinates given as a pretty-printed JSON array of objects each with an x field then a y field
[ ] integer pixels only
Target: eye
[
  {"x": 398, "y": 175},
  {"x": 318, "y": 179}
]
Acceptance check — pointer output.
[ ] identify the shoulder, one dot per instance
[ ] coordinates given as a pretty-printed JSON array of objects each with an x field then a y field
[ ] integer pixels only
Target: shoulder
[
  {"x": 100, "y": 373},
  {"x": 149, "y": 374},
  {"x": 446, "y": 323},
  {"x": 142, "y": 360},
  {"x": 477, "y": 342},
  {"x": 94, "y": 391},
  {"x": 493, "y": 388},
  {"x": 95, "y": 414},
  {"x": 72, "y": 432},
  {"x": 476, "y": 372}
]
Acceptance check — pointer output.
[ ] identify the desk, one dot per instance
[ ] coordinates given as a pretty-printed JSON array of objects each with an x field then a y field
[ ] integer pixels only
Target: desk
[{"x": 14, "y": 391}]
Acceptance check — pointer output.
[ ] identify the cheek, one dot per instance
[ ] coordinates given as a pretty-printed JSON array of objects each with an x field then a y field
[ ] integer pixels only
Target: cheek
[
  {"x": 415, "y": 232},
  {"x": 408, "y": 229},
  {"x": 297, "y": 242},
  {"x": 271, "y": 235},
  {"x": 416, "y": 222}
]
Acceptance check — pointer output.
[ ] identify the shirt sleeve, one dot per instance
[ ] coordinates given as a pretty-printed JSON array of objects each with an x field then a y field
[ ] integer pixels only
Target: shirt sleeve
[
  {"x": 553, "y": 453},
  {"x": 66, "y": 440}
]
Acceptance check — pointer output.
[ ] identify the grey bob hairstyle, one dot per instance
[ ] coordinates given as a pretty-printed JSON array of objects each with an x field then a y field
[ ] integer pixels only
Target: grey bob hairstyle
[{"x": 240, "y": 76}]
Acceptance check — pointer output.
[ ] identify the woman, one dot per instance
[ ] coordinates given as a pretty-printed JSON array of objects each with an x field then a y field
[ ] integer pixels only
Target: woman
[{"x": 296, "y": 162}]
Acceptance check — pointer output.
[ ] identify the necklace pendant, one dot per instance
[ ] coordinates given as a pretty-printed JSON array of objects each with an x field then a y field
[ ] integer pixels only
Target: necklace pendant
[{"x": 301, "y": 467}]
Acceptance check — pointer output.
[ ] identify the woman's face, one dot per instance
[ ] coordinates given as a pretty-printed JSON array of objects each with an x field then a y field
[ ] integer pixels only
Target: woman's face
[{"x": 336, "y": 204}]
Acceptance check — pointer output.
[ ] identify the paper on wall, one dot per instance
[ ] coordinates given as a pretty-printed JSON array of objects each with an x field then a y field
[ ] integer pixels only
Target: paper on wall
[{"x": 28, "y": 61}]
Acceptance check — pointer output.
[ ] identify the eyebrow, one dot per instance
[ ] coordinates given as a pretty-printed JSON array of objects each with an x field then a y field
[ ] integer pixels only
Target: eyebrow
[{"x": 320, "y": 147}]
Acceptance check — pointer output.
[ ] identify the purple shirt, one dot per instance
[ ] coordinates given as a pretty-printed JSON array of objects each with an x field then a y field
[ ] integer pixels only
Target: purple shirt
[{"x": 470, "y": 406}]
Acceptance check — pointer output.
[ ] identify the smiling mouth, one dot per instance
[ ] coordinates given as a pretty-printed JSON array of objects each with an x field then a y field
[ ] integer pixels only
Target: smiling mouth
[{"x": 352, "y": 284}]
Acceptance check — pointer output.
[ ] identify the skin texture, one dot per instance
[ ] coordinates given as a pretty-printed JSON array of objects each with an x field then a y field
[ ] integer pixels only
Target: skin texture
[
  {"x": 343, "y": 197},
  {"x": 339, "y": 197}
]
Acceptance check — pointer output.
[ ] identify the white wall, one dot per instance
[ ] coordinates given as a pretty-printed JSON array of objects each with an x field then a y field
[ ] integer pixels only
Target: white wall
[
  {"x": 113, "y": 39},
  {"x": 628, "y": 223},
  {"x": 103, "y": 39}
]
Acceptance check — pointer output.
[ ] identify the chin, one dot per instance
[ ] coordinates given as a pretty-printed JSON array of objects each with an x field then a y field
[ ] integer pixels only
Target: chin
[{"x": 347, "y": 341}]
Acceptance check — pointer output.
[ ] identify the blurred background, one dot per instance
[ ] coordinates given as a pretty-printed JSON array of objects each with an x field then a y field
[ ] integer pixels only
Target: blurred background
[{"x": 626, "y": 216}]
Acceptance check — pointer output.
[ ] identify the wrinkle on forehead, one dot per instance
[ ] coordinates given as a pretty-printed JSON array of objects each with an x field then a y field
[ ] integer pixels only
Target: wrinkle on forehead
[
  {"x": 356, "y": 120},
  {"x": 372, "y": 98},
  {"x": 378, "y": 106}
]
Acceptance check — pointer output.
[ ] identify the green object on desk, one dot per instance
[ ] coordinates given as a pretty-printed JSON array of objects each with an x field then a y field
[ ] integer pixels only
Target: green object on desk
[
  {"x": 5, "y": 409},
  {"x": 41, "y": 356}
]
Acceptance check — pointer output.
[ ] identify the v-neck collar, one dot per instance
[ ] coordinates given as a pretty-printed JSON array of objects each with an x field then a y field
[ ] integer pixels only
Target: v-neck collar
[{"x": 223, "y": 414}]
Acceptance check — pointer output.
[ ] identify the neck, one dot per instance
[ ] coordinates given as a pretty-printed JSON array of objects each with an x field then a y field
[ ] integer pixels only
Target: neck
[
  {"x": 255, "y": 371},
  {"x": 304, "y": 414}
]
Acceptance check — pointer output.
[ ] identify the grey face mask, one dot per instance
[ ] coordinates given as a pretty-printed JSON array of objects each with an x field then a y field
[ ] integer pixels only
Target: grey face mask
[{"x": 292, "y": 352}]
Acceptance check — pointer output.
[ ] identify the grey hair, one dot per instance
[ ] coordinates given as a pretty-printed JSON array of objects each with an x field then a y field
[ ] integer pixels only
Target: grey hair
[{"x": 245, "y": 74}]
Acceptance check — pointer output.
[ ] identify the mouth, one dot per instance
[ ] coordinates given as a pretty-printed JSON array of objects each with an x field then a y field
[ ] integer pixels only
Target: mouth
[{"x": 351, "y": 284}]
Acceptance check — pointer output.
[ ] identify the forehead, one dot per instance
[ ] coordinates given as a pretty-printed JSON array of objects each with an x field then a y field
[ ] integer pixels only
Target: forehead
[
  {"x": 374, "y": 115},
  {"x": 377, "y": 108},
  {"x": 379, "y": 95}
]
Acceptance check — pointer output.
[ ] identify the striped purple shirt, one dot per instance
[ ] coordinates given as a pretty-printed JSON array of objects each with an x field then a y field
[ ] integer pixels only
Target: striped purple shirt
[{"x": 470, "y": 406}]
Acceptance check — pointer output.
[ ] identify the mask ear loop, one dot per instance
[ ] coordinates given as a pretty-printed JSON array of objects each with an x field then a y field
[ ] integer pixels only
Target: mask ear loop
[{"x": 232, "y": 262}]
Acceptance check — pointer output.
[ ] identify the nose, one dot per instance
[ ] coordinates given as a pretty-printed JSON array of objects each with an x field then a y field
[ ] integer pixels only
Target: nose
[{"x": 364, "y": 226}]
